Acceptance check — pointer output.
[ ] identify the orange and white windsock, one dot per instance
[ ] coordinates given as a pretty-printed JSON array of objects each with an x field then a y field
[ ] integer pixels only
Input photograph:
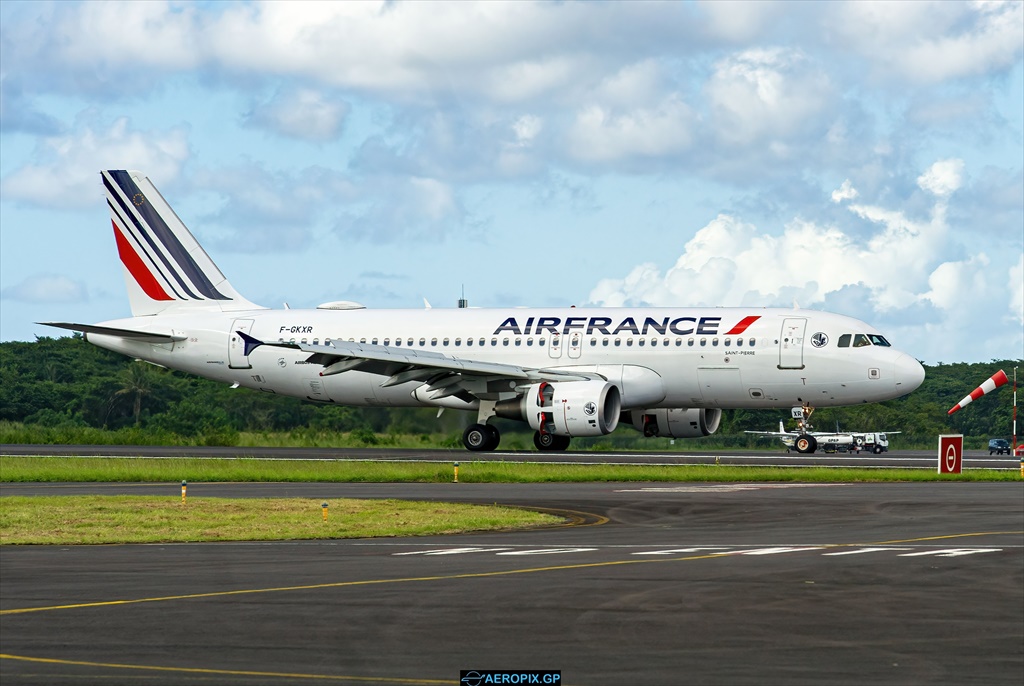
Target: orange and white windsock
[{"x": 994, "y": 382}]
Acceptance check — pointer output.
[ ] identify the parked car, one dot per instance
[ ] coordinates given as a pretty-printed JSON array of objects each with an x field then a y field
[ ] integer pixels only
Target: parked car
[
  {"x": 1020, "y": 450},
  {"x": 998, "y": 446}
]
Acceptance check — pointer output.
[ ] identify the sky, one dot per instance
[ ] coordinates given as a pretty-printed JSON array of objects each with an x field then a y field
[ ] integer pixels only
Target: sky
[{"x": 863, "y": 158}]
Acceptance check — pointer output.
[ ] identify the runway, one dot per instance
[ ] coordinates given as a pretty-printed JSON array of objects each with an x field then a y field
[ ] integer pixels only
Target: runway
[
  {"x": 659, "y": 584},
  {"x": 902, "y": 459}
]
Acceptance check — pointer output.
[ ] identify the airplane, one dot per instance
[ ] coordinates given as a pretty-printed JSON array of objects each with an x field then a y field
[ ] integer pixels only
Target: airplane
[
  {"x": 564, "y": 371},
  {"x": 805, "y": 440}
]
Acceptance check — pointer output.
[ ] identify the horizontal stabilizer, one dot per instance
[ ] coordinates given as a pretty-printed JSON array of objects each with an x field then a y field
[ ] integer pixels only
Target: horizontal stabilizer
[{"x": 142, "y": 336}]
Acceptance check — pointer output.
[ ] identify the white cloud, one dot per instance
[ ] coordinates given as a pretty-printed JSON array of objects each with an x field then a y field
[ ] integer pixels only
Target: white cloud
[
  {"x": 943, "y": 177},
  {"x": 66, "y": 173},
  {"x": 302, "y": 113},
  {"x": 740, "y": 20},
  {"x": 46, "y": 288},
  {"x": 600, "y": 134},
  {"x": 1016, "y": 287},
  {"x": 901, "y": 266},
  {"x": 526, "y": 128},
  {"x": 767, "y": 94},
  {"x": 844, "y": 192},
  {"x": 931, "y": 42},
  {"x": 404, "y": 209},
  {"x": 957, "y": 284}
]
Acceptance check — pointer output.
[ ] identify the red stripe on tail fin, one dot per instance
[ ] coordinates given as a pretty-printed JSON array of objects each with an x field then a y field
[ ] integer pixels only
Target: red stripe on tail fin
[{"x": 139, "y": 271}]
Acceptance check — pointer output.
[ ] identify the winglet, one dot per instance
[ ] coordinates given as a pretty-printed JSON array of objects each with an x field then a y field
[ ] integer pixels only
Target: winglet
[{"x": 250, "y": 342}]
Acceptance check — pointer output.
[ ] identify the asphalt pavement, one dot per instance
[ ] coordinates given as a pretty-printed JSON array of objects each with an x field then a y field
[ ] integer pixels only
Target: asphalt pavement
[{"x": 654, "y": 583}]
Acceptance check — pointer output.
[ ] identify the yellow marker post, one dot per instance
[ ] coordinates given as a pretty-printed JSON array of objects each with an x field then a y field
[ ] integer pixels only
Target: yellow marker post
[
  {"x": 456, "y": 472},
  {"x": 324, "y": 506},
  {"x": 183, "y": 490}
]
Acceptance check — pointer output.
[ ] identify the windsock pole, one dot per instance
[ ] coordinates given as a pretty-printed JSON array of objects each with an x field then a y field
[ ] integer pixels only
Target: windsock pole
[{"x": 994, "y": 382}]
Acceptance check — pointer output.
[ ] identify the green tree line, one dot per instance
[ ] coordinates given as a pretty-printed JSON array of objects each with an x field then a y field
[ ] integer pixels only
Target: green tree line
[{"x": 63, "y": 390}]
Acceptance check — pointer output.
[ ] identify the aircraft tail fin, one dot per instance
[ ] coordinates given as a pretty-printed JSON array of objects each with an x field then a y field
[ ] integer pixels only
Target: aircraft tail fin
[{"x": 165, "y": 268}]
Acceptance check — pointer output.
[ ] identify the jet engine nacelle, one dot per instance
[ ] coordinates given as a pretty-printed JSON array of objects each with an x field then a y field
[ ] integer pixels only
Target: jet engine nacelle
[
  {"x": 676, "y": 422},
  {"x": 572, "y": 408}
]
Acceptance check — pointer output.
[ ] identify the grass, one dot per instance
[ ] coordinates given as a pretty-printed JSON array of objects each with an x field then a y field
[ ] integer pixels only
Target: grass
[
  {"x": 73, "y": 520},
  {"x": 65, "y": 520},
  {"x": 74, "y": 469}
]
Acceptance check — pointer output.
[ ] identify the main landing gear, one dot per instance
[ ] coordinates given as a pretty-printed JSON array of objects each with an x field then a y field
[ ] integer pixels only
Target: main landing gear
[
  {"x": 546, "y": 442},
  {"x": 480, "y": 437},
  {"x": 484, "y": 438}
]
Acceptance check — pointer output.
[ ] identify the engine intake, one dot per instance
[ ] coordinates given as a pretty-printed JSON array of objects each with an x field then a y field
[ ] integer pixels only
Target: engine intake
[
  {"x": 675, "y": 422},
  {"x": 573, "y": 408}
]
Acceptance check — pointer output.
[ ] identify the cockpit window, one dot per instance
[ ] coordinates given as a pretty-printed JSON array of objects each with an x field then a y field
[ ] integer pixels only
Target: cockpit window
[
  {"x": 879, "y": 340},
  {"x": 860, "y": 340},
  {"x": 844, "y": 340}
]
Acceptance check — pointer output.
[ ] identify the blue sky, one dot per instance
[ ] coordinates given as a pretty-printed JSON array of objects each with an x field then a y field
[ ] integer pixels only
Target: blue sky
[{"x": 862, "y": 158}]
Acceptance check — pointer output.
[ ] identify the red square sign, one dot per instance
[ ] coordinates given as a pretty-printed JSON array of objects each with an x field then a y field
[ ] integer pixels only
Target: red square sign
[{"x": 951, "y": 454}]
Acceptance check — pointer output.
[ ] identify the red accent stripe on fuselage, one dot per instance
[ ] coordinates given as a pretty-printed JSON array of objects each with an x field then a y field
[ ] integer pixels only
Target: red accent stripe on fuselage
[
  {"x": 138, "y": 269},
  {"x": 742, "y": 325}
]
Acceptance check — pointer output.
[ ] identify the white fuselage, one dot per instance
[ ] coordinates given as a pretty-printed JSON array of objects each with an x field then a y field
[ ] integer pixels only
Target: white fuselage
[{"x": 658, "y": 357}]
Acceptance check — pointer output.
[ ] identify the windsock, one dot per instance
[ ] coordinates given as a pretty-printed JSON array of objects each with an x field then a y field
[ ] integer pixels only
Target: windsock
[{"x": 994, "y": 382}]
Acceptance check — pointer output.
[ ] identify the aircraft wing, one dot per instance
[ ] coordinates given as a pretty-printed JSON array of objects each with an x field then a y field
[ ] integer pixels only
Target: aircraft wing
[
  {"x": 143, "y": 336},
  {"x": 446, "y": 375}
]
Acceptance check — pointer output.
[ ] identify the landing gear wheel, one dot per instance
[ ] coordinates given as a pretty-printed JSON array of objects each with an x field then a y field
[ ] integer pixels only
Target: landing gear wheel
[
  {"x": 805, "y": 444},
  {"x": 548, "y": 443},
  {"x": 480, "y": 437},
  {"x": 494, "y": 437}
]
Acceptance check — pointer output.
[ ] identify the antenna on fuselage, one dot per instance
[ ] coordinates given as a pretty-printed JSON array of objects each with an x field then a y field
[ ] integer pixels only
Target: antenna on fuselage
[{"x": 463, "y": 303}]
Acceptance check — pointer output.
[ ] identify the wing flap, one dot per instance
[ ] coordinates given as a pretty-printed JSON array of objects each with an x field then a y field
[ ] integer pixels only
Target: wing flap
[{"x": 403, "y": 364}]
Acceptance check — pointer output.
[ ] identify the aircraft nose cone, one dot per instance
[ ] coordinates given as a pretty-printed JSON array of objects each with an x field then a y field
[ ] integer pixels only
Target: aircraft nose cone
[{"x": 909, "y": 374}]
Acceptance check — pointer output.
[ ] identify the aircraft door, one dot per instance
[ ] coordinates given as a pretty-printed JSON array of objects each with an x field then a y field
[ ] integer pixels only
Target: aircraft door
[
  {"x": 236, "y": 346},
  {"x": 575, "y": 345},
  {"x": 555, "y": 346},
  {"x": 791, "y": 343}
]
